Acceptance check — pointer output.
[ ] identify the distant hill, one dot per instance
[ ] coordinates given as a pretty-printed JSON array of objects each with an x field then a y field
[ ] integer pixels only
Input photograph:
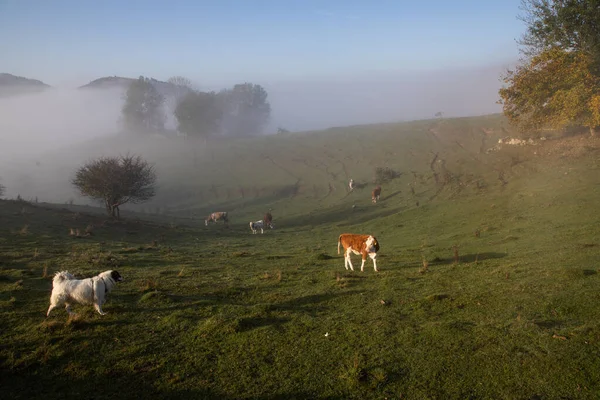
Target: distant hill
[
  {"x": 11, "y": 85},
  {"x": 118, "y": 82}
]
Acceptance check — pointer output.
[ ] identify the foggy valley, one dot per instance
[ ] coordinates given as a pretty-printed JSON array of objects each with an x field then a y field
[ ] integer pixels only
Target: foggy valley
[
  {"x": 299, "y": 200},
  {"x": 48, "y": 126}
]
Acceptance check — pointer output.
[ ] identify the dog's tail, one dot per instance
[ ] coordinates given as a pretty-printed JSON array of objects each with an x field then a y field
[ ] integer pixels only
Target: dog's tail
[{"x": 61, "y": 276}]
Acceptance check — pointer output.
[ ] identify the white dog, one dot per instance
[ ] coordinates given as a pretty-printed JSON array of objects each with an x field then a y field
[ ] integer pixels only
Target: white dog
[{"x": 66, "y": 289}]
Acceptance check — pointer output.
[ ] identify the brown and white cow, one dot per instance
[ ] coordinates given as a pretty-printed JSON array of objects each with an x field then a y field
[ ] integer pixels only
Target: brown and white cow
[
  {"x": 217, "y": 216},
  {"x": 375, "y": 194},
  {"x": 268, "y": 220},
  {"x": 365, "y": 245}
]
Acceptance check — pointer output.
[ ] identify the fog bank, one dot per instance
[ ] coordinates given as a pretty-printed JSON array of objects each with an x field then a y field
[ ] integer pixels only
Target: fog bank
[{"x": 34, "y": 123}]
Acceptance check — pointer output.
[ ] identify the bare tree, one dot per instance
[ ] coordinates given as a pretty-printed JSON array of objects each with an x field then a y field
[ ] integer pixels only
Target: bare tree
[
  {"x": 116, "y": 181},
  {"x": 2, "y": 188}
]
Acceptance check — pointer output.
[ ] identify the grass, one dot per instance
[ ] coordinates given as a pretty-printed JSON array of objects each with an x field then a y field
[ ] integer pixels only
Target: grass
[{"x": 210, "y": 312}]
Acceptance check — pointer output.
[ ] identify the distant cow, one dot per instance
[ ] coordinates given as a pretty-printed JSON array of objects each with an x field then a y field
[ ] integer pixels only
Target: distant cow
[
  {"x": 351, "y": 184},
  {"x": 375, "y": 194},
  {"x": 256, "y": 225},
  {"x": 365, "y": 245},
  {"x": 217, "y": 216},
  {"x": 268, "y": 220}
]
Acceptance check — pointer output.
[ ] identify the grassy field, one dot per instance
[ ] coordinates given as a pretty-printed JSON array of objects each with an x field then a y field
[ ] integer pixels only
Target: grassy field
[{"x": 210, "y": 312}]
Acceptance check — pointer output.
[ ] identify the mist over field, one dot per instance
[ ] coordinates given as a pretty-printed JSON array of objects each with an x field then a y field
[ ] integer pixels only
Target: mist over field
[
  {"x": 31, "y": 124},
  {"x": 44, "y": 135},
  {"x": 386, "y": 97}
]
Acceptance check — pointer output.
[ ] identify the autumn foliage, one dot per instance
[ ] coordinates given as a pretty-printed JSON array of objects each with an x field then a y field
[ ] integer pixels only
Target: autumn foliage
[
  {"x": 556, "y": 89},
  {"x": 557, "y": 84}
]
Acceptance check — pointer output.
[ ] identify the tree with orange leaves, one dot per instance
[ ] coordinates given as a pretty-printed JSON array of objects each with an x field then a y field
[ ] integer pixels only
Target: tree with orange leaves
[
  {"x": 555, "y": 89},
  {"x": 557, "y": 84}
]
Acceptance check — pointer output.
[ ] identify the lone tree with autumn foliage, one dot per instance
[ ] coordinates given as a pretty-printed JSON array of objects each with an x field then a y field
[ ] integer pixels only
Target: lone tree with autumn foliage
[
  {"x": 116, "y": 181},
  {"x": 557, "y": 83}
]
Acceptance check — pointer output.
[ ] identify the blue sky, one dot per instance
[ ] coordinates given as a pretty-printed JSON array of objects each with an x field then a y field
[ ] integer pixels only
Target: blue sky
[{"x": 226, "y": 41}]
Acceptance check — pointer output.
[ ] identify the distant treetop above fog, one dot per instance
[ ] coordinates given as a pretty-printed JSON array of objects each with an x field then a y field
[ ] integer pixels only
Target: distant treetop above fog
[{"x": 112, "y": 82}]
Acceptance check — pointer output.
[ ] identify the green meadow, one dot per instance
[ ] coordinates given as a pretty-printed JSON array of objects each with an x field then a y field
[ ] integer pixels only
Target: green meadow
[{"x": 488, "y": 282}]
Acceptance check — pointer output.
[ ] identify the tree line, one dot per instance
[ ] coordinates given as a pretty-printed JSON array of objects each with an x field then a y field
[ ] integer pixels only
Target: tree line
[
  {"x": 556, "y": 84},
  {"x": 242, "y": 110}
]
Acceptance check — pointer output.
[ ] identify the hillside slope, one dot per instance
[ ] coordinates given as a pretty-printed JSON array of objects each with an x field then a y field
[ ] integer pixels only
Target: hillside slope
[
  {"x": 295, "y": 172},
  {"x": 486, "y": 287},
  {"x": 12, "y": 85},
  {"x": 488, "y": 258}
]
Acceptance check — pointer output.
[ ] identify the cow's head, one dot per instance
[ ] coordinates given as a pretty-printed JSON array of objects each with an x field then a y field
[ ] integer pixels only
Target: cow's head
[{"x": 371, "y": 245}]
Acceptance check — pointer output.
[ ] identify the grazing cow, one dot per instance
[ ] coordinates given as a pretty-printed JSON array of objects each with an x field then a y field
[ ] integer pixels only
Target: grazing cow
[
  {"x": 365, "y": 245},
  {"x": 217, "y": 216},
  {"x": 351, "y": 184},
  {"x": 268, "y": 220},
  {"x": 255, "y": 226},
  {"x": 375, "y": 194}
]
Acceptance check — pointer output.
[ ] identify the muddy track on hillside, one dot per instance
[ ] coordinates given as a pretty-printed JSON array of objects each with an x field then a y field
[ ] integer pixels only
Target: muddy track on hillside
[{"x": 298, "y": 180}]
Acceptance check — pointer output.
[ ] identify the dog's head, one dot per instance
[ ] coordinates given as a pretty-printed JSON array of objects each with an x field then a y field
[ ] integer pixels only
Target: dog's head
[{"x": 116, "y": 276}]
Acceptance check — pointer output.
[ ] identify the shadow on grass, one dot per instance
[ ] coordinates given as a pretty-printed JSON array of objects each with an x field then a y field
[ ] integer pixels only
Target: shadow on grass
[
  {"x": 340, "y": 217},
  {"x": 548, "y": 324},
  {"x": 247, "y": 324},
  {"x": 468, "y": 258},
  {"x": 122, "y": 385},
  {"x": 396, "y": 193},
  {"x": 311, "y": 302}
]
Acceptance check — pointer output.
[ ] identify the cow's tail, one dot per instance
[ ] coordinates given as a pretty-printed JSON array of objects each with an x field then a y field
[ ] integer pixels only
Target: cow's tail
[{"x": 339, "y": 243}]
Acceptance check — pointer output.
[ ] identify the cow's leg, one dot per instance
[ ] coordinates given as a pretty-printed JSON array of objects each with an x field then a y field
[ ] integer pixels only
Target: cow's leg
[
  {"x": 346, "y": 260},
  {"x": 262, "y": 231},
  {"x": 362, "y": 265},
  {"x": 373, "y": 257},
  {"x": 348, "y": 252}
]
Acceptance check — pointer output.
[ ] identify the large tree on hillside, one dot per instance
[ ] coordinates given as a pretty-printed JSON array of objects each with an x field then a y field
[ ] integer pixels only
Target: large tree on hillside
[
  {"x": 555, "y": 89},
  {"x": 143, "y": 109},
  {"x": 116, "y": 181},
  {"x": 557, "y": 83},
  {"x": 199, "y": 114},
  {"x": 246, "y": 110}
]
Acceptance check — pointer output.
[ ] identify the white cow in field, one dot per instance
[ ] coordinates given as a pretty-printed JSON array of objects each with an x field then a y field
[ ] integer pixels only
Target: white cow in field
[{"x": 256, "y": 225}]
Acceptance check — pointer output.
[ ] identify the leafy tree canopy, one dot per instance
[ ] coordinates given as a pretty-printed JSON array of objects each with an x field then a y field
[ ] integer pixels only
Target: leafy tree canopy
[
  {"x": 557, "y": 84},
  {"x": 143, "y": 107},
  {"x": 199, "y": 114},
  {"x": 246, "y": 110}
]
